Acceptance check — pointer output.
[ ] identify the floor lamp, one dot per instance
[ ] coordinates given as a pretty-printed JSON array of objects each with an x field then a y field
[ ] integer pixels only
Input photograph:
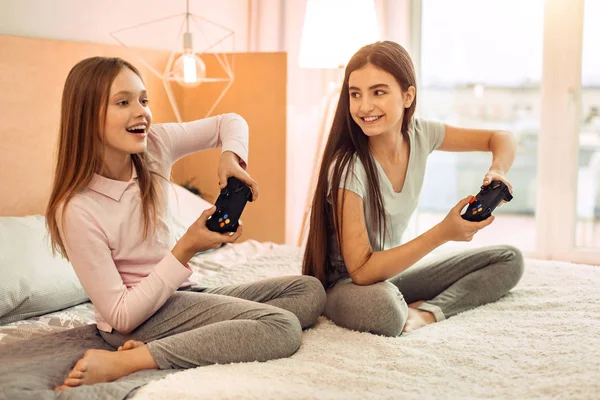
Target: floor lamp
[{"x": 333, "y": 31}]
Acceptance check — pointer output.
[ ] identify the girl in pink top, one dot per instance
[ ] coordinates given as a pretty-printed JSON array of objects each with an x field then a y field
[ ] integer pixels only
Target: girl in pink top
[{"x": 108, "y": 215}]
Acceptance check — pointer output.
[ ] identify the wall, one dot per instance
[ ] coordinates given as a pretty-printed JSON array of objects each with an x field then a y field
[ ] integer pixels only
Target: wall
[
  {"x": 258, "y": 94},
  {"x": 32, "y": 81},
  {"x": 92, "y": 21}
]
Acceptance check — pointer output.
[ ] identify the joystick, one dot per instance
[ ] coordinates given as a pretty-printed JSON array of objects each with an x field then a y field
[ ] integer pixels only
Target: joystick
[
  {"x": 230, "y": 204},
  {"x": 481, "y": 206}
]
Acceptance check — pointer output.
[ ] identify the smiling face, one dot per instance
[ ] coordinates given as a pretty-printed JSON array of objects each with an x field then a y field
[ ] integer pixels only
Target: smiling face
[
  {"x": 128, "y": 117},
  {"x": 377, "y": 101}
]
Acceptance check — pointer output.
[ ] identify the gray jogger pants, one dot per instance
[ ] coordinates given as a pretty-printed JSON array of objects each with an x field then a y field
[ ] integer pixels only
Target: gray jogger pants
[
  {"x": 449, "y": 285},
  {"x": 256, "y": 321}
]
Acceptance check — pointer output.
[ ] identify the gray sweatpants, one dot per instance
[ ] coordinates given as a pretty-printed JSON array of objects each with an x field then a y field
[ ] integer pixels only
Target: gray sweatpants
[
  {"x": 256, "y": 321},
  {"x": 449, "y": 285}
]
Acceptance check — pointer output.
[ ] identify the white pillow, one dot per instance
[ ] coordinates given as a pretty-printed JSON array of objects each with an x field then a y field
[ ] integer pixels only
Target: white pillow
[
  {"x": 33, "y": 281},
  {"x": 185, "y": 206}
]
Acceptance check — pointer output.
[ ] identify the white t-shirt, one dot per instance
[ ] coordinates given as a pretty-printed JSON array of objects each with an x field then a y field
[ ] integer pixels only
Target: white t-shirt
[{"x": 424, "y": 137}]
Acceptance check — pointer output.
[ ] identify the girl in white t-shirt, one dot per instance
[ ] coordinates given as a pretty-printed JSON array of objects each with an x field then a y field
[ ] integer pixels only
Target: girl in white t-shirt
[{"x": 368, "y": 187}]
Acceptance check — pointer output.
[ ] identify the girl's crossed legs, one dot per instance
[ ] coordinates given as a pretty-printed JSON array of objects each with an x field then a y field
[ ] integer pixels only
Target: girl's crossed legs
[
  {"x": 443, "y": 287},
  {"x": 256, "y": 321}
]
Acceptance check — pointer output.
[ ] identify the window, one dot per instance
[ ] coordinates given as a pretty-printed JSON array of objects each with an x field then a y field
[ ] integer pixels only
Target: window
[{"x": 481, "y": 67}]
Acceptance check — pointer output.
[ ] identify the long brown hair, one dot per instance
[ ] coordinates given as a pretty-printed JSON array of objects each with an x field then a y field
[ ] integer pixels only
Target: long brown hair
[
  {"x": 83, "y": 113},
  {"x": 345, "y": 142}
]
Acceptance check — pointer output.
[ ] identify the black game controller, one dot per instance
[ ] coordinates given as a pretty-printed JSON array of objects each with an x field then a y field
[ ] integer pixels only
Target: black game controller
[
  {"x": 230, "y": 204},
  {"x": 482, "y": 205}
]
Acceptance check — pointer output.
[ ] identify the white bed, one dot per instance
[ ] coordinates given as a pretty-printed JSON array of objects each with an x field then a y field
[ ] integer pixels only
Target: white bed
[{"x": 542, "y": 341}]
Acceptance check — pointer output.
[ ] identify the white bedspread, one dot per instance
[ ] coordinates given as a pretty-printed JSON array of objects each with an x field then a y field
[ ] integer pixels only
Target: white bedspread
[{"x": 541, "y": 341}]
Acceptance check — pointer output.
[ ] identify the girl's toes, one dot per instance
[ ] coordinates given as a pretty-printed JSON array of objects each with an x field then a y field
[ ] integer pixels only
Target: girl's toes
[
  {"x": 72, "y": 382},
  {"x": 76, "y": 374}
]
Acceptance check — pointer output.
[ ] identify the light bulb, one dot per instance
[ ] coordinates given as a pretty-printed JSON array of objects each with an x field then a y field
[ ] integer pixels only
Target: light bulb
[{"x": 188, "y": 70}]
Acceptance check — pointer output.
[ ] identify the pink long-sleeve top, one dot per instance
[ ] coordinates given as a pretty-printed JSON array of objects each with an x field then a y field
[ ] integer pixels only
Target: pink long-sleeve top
[{"x": 127, "y": 277}]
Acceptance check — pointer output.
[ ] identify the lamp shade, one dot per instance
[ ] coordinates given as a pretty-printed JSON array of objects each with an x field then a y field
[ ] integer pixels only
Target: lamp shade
[{"x": 334, "y": 30}]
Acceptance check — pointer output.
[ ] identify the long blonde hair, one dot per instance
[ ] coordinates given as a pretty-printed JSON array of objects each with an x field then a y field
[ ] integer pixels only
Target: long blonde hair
[{"x": 83, "y": 114}]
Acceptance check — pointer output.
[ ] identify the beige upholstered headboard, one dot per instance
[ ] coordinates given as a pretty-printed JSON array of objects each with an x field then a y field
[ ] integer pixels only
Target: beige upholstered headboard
[{"x": 33, "y": 71}]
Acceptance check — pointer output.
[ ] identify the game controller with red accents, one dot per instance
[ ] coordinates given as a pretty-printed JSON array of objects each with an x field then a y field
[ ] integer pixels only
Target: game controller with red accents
[
  {"x": 481, "y": 206},
  {"x": 230, "y": 204}
]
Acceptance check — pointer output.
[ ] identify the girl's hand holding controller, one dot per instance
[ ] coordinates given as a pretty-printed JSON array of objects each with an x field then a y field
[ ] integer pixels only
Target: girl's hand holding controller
[
  {"x": 455, "y": 228},
  {"x": 230, "y": 165},
  {"x": 497, "y": 175},
  {"x": 198, "y": 238}
]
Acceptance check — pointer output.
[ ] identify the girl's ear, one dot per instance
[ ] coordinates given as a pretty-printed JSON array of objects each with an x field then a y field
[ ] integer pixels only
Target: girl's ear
[{"x": 409, "y": 96}]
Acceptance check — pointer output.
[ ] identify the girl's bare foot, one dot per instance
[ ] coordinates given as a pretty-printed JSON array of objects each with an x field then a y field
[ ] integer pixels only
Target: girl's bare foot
[
  {"x": 106, "y": 366},
  {"x": 130, "y": 345},
  {"x": 417, "y": 318}
]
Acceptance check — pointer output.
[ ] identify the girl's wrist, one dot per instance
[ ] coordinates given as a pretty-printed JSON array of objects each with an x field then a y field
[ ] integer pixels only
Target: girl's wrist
[
  {"x": 439, "y": 232},
  {"x": 497, "y": 170},
  {"x": 182, "y": 252},
  {"x": 228, "y": 154}
]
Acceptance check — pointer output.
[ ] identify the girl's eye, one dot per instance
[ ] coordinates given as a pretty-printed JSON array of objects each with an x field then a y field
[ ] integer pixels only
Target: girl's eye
[
  {"x": 123, "y": 103},
  {"x": 354, "y": 94},
  {"x": 379, "y": 92},
  {"x": 144, "y": 102}
]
